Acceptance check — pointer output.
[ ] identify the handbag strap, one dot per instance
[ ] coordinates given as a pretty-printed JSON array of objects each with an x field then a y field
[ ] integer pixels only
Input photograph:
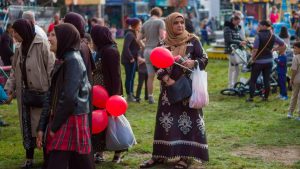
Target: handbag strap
[{"x": 263, "y": 47}]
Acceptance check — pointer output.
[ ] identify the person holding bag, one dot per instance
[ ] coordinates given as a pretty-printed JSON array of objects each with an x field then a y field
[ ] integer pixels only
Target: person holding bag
[
  {"x": 179, "y": 129},
  {"x": 262, "y": 58},
  {"x": 30, "y": 79},
  {"x": 108, "y": 75}
]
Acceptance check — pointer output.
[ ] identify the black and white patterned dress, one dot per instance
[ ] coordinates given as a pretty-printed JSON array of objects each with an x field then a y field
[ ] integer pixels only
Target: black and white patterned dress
[{"x": 180, "y": 130}]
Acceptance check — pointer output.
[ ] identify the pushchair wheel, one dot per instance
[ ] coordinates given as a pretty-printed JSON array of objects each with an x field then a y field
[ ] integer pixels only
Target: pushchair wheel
[{"x": 229, "y": 92}]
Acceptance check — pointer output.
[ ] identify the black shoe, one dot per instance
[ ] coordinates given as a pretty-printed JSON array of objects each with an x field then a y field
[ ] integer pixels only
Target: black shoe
[
  {"x": 117, "y": 159},
  {"x": 98, "y": 158},
  {"x": 3, "y": 124},
  {"x": 249, "y": 99},
  {"x": 27, "y": 165},
  {"x": 138, "y": 100}
]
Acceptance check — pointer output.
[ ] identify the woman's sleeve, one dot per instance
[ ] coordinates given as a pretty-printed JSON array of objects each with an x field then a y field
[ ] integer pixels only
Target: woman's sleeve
[
  {"x": 44, "y": 118},
  {"x": 113, "y": 68},
  {"x": 128, "y": 40},
  {"x": 49, "y": 60},
  {"x": 10, "y": 85},
  {"x": 200, "y": 54}
]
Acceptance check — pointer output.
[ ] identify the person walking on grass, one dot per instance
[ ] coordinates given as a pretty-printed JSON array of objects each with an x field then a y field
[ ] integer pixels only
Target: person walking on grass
[
  {"x": 281, "y": 69},
  {"x": 295, "y": 80},
  {"x": 31, "y": 68},
  {"x": 108, "y": 75},
  {"x": 153, "y": 31},
  {"x": 130, "y": 55},
  {"x": 64, "y": 118},
  {"x": 179, "y": 129},
  {"x": 262, "y": 57}
]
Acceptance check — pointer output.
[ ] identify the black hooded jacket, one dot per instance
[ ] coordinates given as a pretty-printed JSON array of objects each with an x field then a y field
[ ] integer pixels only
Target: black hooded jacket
[{"x": 231, "y": 35}]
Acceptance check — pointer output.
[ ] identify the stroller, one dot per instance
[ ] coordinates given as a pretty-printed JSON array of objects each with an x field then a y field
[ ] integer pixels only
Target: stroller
[
  {"x": 242, "y": 88},
  {"x": 4, "y": 72}
]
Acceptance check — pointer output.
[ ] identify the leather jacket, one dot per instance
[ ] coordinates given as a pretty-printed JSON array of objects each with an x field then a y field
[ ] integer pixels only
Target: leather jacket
[{"x": 69, "y": 92}]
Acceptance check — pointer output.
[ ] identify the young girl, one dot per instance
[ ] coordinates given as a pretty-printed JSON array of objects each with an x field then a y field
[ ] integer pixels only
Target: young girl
[
  {"x": 281, "y": 72},
  {"x": 295, "y": 80}
]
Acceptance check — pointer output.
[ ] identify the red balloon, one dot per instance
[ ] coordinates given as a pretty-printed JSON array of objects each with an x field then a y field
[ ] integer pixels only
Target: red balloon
[
  {"x": 100, "y": 96},
  {"x": 161, "y": 57},
  {"x": 99, "y": 121},
  {"x": 116, "y": 105}
]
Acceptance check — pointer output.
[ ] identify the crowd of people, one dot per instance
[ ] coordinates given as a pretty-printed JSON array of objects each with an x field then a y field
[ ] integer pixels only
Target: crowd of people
[
  {"x": 261, "y": 61},
  {"x": 53, "y": 73}
]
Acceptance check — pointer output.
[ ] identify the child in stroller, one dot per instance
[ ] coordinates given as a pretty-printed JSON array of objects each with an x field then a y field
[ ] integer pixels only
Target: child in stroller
[{"x": 4, "y": 71}]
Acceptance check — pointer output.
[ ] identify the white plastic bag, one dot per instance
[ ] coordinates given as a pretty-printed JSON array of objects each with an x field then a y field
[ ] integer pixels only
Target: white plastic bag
[
  {"x": 119, "y": 135},
  {"x": 199, "y": 96}
]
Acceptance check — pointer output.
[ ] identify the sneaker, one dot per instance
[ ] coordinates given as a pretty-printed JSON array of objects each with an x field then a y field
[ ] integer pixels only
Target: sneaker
[
  {"x": 284, "y": 98},
  {"x": 279, "y": 97},
  {"x": 130, "y": 98},
  {"x": 27, "y": 165},
  {"x": 3, "y": 124},
  {"x": 289, "y": 115},
  {"x": 249, "y": 99},
  {"x": 98, "y": 158},
  {"x": 298, "y": 118},
  {"x": 151, "y": 100}
]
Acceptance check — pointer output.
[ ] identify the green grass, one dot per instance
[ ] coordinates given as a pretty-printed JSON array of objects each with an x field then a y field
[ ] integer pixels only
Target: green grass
[{"x": 231, "y": 124}]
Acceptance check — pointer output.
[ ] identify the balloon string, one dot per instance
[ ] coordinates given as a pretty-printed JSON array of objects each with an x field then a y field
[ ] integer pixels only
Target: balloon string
[{"x": 183, "y": 67}]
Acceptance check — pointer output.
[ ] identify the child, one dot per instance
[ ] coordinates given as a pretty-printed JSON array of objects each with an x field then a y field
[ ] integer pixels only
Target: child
[
  {"x": 143, "y": 76},
  {"x": 4, "y": 99},
  {"x": 295, "y": 81},
  {"x": 281, "y": 72}
]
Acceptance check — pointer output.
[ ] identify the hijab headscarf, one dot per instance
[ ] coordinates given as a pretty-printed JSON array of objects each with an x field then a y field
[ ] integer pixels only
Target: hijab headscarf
[
  {"x": 101, "y": 37},
  {"x": 176, "y": 42},
  {"x": 26, "y": 30},
  {"x": 68, "y": 39},
  {"x": 77, "y": 20}
]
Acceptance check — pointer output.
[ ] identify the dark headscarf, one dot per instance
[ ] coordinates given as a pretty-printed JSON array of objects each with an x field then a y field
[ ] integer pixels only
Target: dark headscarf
[
  {"x": 101, "y": 37},
  {"x": 26, "y": 30},
  {"x": 68, "y": 39},
  {"x": 77, "y": 20}
]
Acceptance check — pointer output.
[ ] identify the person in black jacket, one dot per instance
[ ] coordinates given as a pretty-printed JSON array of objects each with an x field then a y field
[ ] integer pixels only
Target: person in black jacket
[
  {"x": 130, "y": 54},
  {"x": 66, "y": 108},
  {"x": 232, "y": 36},
  {"x": 6, "y": 46},
  {"x": 108, "y": 75}
]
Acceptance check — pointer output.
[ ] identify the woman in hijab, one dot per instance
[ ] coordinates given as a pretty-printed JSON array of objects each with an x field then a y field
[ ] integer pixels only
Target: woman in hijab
[
  {"x": 65, "y": 114},
  {"x": 130, "y": 53},
  {"x": 31, "y": 68},
  {"x": 179, "y": 129},
  {"x": 108, "y": 75},
  {"x": 78, "y": 21}
]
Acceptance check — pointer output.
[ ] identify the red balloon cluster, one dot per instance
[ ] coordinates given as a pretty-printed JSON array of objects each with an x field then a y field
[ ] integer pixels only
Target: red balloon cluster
[
  {"x": 115, "y": 105},
  {"x": 161, "y": 57}
]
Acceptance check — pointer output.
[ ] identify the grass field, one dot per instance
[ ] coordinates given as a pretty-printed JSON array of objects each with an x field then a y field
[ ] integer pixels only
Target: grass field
[{"x": 240, "y": 135}]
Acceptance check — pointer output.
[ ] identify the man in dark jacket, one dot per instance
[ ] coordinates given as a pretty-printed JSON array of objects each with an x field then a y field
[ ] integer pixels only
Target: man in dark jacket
[
  {"x": 232, "y": 36},
  {"x": 6, "y": 46}
]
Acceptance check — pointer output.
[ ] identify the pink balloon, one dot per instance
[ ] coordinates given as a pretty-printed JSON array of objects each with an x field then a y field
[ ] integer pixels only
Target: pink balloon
[
  {"x": 116, "y": 105},
  {"x": 161, "y": 57},
  {"x": 100, "y": 96},
  {"x": 99, "y": 121}
]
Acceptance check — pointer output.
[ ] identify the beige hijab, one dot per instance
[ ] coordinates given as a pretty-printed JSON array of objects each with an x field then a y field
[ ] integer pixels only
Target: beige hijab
[{"x": 176, "y": 42}]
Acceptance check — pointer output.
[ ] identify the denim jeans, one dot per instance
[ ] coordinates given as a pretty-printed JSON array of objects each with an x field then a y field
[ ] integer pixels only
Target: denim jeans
[{"x": 130, "y": 74}]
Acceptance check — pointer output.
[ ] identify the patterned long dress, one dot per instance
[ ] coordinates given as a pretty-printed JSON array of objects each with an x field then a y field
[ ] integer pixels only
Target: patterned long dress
[{"x": 180, "y": 130}]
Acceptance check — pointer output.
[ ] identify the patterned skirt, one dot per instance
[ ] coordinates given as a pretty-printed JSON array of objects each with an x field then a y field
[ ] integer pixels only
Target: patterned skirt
[
  {"x": 179, "y": 131},
  {"x": 73, "y": 135}
]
